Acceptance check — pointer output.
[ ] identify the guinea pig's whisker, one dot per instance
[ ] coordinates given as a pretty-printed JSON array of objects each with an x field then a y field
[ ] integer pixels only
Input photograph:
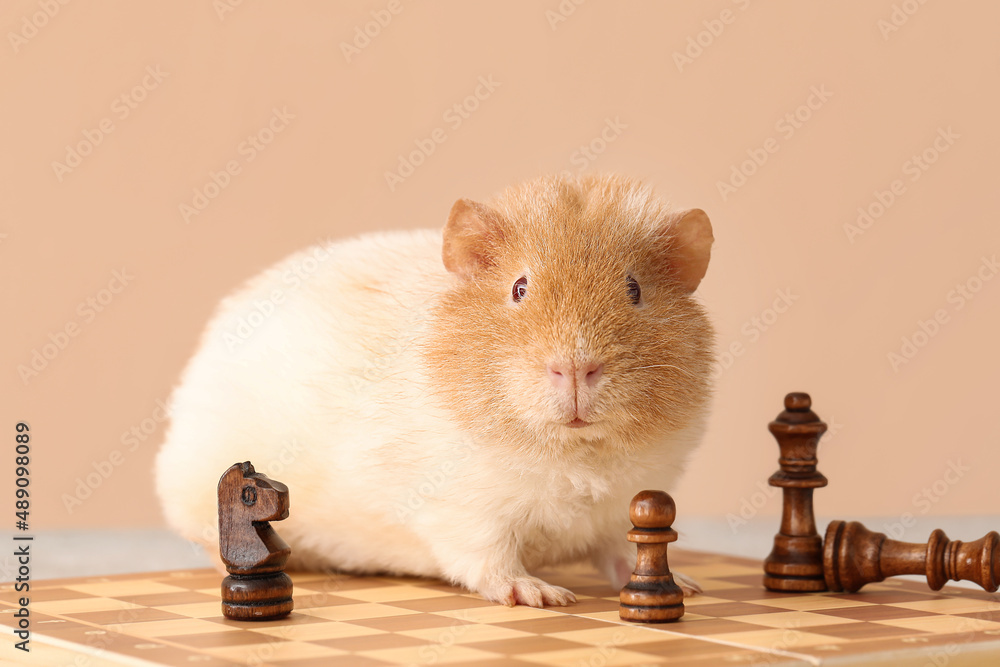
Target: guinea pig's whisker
[{"x": 676, "y": 368}]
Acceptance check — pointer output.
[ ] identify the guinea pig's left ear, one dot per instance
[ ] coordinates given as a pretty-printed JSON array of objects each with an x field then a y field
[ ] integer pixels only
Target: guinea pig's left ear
[
  {"x": 690, "y": 247},
  {"x": 472, "y": 238}
]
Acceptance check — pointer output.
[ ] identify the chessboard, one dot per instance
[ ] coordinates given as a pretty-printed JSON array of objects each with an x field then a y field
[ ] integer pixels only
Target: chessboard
[{"x": 174, "y": 618}]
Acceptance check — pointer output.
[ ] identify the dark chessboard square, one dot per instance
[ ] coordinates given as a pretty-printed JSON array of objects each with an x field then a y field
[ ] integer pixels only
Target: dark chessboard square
[
  {"x": 42, "y": 595},
  {"x": 726, "y": 609},
  {"x": 341, "y": 582},
  {"x": 710, "y": 626},
  {"x": 150, "y": 651},
  {"x": 125, "y": 616},
  {"x": 166, "y": 599},
  {"x": 37, "y": 619},
  {"x": 294, "y": 618},
  {"x": 72, "y": 631},
  {"x": 443, "y": 603},
  {"x": 371, "y": 642},
  {"x": 166, "y": 577},
  {"x": 523, "y": 645},
  {"x": 309, "y": 600},
  {"x": 748, "y": 593},
  {"x": 434, "y": 585},
  {"x": 220, "y": 639},
  {"x": 861, "y": 631},
  {"x": 744, "y": 579},
  {"x": 546, "y": 626},
  {"x": 196, "y": 582},
  {"x": 679, "y": 649},
  {"x": 588, "y": 606},
  {"x": 396, "y": 580},
  {"x": 597, "y": 591},
  {"x": 875, "y": 612},
  {"x": 888, "y": 597},
  {"x": 330, "y": 661},
  {"x": 408, "y": 622}
]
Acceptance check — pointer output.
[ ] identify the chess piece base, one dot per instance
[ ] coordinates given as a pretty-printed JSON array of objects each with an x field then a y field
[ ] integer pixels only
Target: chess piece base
[
  {"x": 794, "y": 584},
  {"x": 795, "y": 564},
  {"x": 650, "y": 614},
  {"x": 656, "y": 602},
  {"x": 257, "y": 597}
]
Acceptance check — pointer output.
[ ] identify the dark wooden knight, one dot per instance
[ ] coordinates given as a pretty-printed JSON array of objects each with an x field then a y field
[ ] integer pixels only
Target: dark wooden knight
[{"x": 254, "y": 555}]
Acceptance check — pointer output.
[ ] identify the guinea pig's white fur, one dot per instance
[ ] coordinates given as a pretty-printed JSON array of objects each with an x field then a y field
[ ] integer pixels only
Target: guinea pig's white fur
[{"x": 313, "y": 372}]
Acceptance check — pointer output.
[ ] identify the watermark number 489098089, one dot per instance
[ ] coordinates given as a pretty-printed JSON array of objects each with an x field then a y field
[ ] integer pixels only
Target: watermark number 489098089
[{"x": 22, "y": 543}]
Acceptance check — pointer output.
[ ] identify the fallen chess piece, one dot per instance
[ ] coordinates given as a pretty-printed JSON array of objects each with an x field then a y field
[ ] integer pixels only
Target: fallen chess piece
[
  {"x": 854, "y": 556},
  {"x": 795, "y": 564},
  {"x": 652, "y": 595},
  {"x": 256, "y": 589}
]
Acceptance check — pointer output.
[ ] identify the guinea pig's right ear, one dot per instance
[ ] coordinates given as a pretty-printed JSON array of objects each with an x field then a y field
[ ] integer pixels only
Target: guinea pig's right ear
[
  {"x": 472, "y": 238},
  {"x": 690, "y": 247}
]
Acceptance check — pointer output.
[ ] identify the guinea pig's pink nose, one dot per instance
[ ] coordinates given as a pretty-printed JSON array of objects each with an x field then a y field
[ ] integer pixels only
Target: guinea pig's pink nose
[
  {"x": 563, "y": 374},
  {"x": 591, "y": 372}
]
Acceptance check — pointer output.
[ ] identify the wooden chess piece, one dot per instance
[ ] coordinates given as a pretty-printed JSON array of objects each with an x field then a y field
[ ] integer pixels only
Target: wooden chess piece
[
  {"x": 256, "y": 589},
  {"x": 796, "y": 560},
  {"x": 854, "y": 556},
  {"x": 651, "y": 595}
]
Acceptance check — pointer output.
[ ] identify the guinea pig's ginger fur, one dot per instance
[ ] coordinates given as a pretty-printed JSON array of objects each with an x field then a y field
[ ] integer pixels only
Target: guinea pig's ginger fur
[{"x": 469, "y": 403}]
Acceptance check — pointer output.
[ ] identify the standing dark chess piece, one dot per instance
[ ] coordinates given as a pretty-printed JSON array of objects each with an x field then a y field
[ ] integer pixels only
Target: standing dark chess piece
[
  {"x": 651, "y": 595},
  {"x": 796, "y": 561},
  {"x": 256, "y": 589}
]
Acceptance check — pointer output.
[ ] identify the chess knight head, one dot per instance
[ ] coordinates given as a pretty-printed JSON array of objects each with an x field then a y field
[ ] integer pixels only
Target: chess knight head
[
  {"x": 247, "y": 501},
  {"x": 260, "y": 498}
]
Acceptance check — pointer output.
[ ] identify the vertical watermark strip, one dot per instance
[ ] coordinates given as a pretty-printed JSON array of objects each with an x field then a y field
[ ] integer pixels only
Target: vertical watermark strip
[{"x": 22, "y": 543}]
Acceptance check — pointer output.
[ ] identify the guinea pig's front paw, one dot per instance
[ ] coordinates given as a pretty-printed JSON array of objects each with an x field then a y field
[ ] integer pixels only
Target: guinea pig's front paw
[
  {"x": 687, "y": 584},
  {"x": 526, "y": 590}
]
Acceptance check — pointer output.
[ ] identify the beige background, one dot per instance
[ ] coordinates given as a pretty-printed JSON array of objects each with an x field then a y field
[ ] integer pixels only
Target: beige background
[{"x": 886, "y": 95}]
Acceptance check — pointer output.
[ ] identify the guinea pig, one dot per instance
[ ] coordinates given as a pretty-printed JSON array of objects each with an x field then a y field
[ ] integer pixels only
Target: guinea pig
[{"x": 468, "y": 403}]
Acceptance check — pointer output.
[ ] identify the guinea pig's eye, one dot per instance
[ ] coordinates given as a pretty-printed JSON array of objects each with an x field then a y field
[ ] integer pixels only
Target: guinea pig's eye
[
  {"x": 520, "y": 288},
  {"x": 634, "y": 293}
]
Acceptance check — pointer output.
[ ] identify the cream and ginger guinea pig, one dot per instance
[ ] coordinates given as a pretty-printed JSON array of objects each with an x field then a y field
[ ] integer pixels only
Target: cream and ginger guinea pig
[{"x": 470, "y": 403}]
